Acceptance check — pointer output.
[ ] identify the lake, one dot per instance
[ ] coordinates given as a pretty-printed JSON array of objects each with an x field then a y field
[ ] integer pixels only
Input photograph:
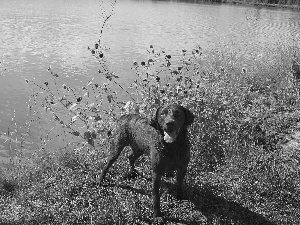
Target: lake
[{"x": 35, "y": 34}]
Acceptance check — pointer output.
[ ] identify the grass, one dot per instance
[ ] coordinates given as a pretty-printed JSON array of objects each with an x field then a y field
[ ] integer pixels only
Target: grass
[{"x": 245, "y": 156}]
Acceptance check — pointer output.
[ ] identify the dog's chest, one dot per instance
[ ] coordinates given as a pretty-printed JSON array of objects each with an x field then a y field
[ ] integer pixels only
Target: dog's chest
[{"x": 176, "y": 153}]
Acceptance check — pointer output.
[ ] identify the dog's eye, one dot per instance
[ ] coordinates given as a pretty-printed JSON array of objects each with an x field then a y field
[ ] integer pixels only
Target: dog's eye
[{"x": 164, "y": 112}]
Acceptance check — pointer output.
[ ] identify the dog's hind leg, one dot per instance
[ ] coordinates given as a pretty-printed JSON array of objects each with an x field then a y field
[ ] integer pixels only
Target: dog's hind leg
[
  {"x": 116, "y": 148},
  {"x": 132, "y": 158}
]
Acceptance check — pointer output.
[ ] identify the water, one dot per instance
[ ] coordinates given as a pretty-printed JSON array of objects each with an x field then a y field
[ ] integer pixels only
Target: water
[{"x": 37, "y": 33}]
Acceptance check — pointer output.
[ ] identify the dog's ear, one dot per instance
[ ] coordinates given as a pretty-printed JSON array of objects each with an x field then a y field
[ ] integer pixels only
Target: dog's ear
[
  {"x": 154, "y": 120},
  {"x": 189, "y": 119}
]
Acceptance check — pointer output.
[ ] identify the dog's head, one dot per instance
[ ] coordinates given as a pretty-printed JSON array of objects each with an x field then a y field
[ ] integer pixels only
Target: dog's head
[{"x": 171, "y": 120}]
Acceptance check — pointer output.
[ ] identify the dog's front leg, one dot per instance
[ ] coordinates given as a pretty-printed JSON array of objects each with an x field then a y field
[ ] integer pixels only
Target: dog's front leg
[
  {"x": 180, "y": 177},
  {"x": 156, "y": 178}
]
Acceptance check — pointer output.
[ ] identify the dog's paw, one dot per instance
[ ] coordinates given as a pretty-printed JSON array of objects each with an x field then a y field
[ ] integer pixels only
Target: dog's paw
[
  {"x": 170, "y": 174},
  {"x": 158, "y": 221}
]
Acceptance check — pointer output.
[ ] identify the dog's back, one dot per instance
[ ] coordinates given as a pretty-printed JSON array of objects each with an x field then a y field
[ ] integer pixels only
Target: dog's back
[{"x": 134, "y": 130}]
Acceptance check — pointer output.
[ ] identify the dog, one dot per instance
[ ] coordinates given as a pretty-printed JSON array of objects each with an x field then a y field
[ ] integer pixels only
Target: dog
[{"x": 164, "y": 138}]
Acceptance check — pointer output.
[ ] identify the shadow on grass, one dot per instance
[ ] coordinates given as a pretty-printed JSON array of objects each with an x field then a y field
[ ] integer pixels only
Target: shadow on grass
[
  {"x": 207, "y": 206},
  {"x": 218, "y": 210}
]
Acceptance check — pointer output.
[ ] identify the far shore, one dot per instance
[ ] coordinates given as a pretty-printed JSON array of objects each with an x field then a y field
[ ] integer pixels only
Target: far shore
[
  {"x": 256, "y": 3},
  {"x": 263, "y": 3}
]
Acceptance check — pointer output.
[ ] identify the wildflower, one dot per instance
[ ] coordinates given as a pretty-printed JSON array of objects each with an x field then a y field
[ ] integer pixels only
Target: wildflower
[
  {"x": 151, "y": 46},
  {"x": 143, "y": 63},
  {"x": 244, "y": 70},
  {"x": 101, "y": 55},
  {"x": 93, "y": 52},
  {"x": 46, "y": 83},
  {"x": 168, "y": 56},
  {"x": 157, "y": 78},
  {"x": 96, "y": 46}
]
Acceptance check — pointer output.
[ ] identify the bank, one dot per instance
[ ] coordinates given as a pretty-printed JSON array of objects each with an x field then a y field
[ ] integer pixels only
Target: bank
[{"x": 289, "y": 4}]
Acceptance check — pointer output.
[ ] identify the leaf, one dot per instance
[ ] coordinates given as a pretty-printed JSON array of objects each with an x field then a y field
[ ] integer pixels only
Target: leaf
[
  {"x": 115, "y": 76},
  {"x": 97, "y": 118},
  {"x": 56, "y": 118},
  {"x": 150, "y": 61},
  {"x": 73, "y": 106},
  {"x": 73, "y": 119},
  {"x": 109, "y": 98},
  {"x": 75, "y": 133},
  {"x": 89, "y": 137}
]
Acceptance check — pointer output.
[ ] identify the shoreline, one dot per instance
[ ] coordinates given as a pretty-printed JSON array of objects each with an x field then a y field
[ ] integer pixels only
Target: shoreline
[{"x": 261, "y": 4}]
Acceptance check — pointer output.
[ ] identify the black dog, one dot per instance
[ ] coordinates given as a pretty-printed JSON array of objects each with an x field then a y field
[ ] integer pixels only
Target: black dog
[{"x": 164, "y": 138}]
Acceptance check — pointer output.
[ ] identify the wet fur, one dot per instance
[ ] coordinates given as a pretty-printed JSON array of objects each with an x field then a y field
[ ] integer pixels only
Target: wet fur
[{"x": 147, "y": 137}]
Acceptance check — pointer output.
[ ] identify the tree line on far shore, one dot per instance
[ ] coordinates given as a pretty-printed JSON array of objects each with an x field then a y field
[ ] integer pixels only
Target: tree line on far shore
[{"x": 278, "y": 3}]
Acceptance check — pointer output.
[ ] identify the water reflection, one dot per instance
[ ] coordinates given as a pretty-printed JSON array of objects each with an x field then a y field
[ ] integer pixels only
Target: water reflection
[{"x": 36, "y": 34}]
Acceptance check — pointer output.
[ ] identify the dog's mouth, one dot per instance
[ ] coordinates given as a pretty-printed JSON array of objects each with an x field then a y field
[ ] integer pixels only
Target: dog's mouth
[{"x": 170, "y": 137}]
